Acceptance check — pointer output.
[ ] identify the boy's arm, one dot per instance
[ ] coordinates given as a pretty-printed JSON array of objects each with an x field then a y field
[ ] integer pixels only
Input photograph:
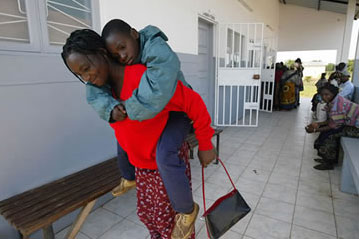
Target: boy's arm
[
  {"x": 101, "y": 100},
  {"x": 158, "y": 83}
]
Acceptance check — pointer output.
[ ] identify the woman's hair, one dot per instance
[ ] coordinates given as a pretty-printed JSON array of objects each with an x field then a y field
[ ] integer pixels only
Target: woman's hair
[
  {"x": 328, "y": 86},
  {"x": 86, "y": 42}
]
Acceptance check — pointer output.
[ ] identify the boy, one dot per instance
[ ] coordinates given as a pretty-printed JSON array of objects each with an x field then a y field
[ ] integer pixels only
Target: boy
[{"x": 156, "y": 88}]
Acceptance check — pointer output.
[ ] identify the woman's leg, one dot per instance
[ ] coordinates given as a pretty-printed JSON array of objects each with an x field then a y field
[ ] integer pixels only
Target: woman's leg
[
  {"x": 153, "y": 205},
  {"x": 329, "y": 151},
  {"x": 171, "y": 167}
]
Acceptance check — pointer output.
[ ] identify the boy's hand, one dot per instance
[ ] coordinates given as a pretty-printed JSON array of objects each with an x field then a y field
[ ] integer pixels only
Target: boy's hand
[
  {"x": 207, "y": 156},
  {"x": 118, "y": 113}
]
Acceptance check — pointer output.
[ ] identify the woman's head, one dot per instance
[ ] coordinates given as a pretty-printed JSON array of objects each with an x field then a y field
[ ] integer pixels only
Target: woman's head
[
  {"x": 85, "y": 55},
  {"x": 328, "y": 92}
]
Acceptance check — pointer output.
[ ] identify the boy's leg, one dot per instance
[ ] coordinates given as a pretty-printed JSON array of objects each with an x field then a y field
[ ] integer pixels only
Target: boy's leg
[
  {"x": 126, "y": 168},
  {"x": 171, "y": 167},
  {"x": 127, "y": 171}
]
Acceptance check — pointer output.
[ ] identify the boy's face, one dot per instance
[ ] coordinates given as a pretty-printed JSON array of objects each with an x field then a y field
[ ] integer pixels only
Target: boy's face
[
  {"x": 123, "y": 47},
  {"x": 90, "y": 68}
]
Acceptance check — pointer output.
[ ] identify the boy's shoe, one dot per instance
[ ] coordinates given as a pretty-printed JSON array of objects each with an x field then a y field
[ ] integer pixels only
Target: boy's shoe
[
  {"x": 123, "y": 187},
  {"x": 184, "y": 224}
]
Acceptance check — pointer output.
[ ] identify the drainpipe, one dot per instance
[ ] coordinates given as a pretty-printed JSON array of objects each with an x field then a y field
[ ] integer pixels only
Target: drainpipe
[
  {"x": 344, "y": 54},
  {"x": 356, "y": 65}
]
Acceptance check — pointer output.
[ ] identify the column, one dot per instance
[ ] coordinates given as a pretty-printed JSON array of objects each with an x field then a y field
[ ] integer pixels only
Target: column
[{"x": 344, "y": 54}]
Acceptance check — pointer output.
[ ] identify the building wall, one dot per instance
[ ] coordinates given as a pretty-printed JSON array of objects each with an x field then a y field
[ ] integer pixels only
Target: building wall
[
  {"x": 47, "y": 129},
  {"x": 302, "y": 29},
  {"x": 179, "y": 19}
]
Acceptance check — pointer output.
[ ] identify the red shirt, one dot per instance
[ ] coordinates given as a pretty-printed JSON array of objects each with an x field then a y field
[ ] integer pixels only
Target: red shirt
[{"x": 139, "y": 138}]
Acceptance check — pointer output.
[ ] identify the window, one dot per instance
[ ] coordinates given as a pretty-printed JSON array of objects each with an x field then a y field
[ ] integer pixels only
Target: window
[
  {"x": 13, "y": 21},
  {"x": 24, "y": 24}
]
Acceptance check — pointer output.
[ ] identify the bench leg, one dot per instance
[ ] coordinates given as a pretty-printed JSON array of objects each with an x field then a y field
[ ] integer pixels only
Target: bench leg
[
  {"x": 217, "y": 148},
  {"x": 48, "y": 232},
  {"x": 76, "y": 226}
]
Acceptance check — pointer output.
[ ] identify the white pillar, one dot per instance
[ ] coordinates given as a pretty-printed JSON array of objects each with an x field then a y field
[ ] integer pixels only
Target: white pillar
[
  {"x": 344, "y": 54},
  {"x": 356, "y": 65}
]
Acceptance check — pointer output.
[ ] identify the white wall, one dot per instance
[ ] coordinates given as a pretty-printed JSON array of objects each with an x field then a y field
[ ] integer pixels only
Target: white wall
[
  {"x": 179, "y": 19},
  {"x": 303, "y": 29}
]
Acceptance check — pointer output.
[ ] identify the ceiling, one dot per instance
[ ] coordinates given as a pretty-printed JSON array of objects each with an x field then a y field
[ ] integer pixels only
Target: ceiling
[{"x": 338, "y": 6}]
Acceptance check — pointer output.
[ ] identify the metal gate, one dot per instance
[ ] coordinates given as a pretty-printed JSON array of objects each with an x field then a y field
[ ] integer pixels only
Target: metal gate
[
  {"x": 239, "y": 66},
  {"x": 268, "y": 74}
]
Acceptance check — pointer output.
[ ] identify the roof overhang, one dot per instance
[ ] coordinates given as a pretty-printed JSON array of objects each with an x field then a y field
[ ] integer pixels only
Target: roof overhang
[{"x": 338, "y": 6}]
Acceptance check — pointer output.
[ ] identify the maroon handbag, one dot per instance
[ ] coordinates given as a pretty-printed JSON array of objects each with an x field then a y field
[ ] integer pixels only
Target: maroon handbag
[{"x": 225, "y": 211}]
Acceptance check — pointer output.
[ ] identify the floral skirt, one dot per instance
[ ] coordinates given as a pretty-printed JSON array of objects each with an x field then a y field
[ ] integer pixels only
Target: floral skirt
[
  {"x": 328, "y": 143},
  {"x": 153, "y": 205}
]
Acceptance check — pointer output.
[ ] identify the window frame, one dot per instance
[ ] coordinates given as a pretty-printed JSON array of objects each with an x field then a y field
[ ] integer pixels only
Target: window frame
[
  {"x": 37, "y": 27},
  {"x": 33, "y": 28},
  {"x": 47, "y": 47}
]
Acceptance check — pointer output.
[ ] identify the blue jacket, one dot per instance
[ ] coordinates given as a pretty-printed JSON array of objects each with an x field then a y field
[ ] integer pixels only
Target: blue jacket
[{"x": 157, "y": 85}]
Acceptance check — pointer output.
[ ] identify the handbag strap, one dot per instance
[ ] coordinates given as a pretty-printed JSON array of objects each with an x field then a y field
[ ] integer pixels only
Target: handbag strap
[{"x": 203, "y": 191}]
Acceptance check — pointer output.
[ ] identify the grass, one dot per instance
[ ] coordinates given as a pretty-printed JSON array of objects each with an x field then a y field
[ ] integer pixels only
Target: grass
[{"x": 309, "y": 88}]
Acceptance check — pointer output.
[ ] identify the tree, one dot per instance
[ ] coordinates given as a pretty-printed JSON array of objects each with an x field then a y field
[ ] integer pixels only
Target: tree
[
  {"x": 330, "y": 67},
  {"x": 351, "y": 66},
  {"x": 288, "y": 63}
]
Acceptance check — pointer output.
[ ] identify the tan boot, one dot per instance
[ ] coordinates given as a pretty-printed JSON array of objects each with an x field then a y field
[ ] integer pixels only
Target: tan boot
[
  {"x": 123, "y": 187},
  {"x": 184, "y": 224}
]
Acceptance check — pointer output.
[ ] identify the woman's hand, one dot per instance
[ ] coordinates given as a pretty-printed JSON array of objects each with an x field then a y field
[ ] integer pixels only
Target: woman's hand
[
  {"x": 207, "y": 156},
  {"x": 309, "y": 129},
  {"x": 315, "y": 125}
]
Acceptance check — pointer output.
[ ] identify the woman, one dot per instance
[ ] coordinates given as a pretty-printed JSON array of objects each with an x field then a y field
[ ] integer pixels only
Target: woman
[
  {"x": 343, "y": 122},
  {"x": 91, "y": 63},
  {"x": 288, "y": 89}
]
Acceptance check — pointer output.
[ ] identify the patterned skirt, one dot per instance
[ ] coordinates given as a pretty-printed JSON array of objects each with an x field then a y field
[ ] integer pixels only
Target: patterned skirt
[
  {"x": 328, "y": 143},
  {"x": 153, "y": 205}
]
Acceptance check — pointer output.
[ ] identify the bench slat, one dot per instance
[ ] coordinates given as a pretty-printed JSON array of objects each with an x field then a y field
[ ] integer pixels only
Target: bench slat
[
  {"x": 60, "y": 201},
  {"x": 62, "y": 186},
  {"x": 59, "y": 197},
  {"x": 72, "y": 176}
]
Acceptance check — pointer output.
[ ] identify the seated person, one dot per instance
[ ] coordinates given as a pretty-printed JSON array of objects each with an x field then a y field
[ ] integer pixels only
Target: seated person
[
  {"x": 343, "y": 122},
  {"x": 346, "y": 87},
  {"x": 85, "y": 55},
  {"x": 316, "y": 98}
]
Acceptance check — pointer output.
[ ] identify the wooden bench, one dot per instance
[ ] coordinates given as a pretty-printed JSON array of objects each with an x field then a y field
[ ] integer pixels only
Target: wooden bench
[
  {"x": 192, "y": 142},
  {"x": 350, "y": 169},
  {"x": 40, "y": 207}
]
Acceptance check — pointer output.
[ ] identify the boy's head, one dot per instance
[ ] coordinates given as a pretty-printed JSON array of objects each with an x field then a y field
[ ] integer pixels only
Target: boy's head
[{"x": 122, "y": 41}]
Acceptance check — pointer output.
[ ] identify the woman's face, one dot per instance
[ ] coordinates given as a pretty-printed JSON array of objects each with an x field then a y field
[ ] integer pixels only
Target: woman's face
[
  {"x": 90, "y": 68},
  {"x": 327, "y": 96}
]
